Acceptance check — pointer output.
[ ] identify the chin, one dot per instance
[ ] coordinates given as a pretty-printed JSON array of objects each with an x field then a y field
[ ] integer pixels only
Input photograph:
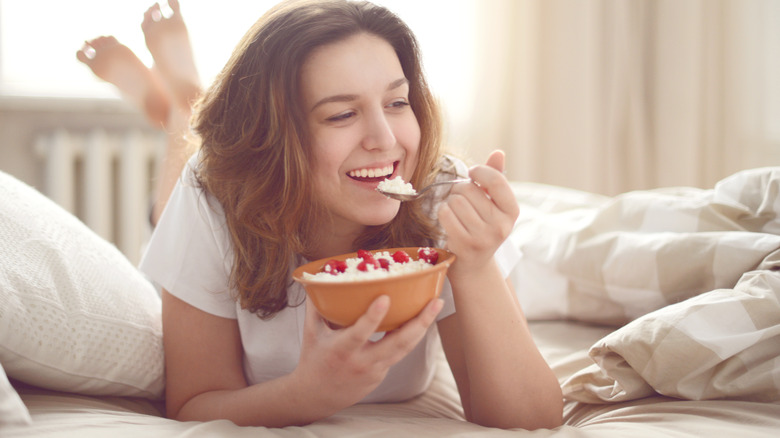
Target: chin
[{"x": 382, "y": 214}]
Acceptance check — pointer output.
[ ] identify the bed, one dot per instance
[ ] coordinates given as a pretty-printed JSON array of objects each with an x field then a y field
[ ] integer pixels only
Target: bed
[{"x": 659, "y": 311}]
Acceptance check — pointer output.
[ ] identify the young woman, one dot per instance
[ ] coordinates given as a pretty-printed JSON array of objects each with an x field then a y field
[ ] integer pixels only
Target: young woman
[{"x": 316, "y": 93}]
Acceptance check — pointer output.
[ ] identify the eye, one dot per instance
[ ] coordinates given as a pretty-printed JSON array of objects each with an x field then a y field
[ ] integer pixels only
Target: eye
[
  {"x": 399, "y": 104},
  {"x": 341, "y": 117}
]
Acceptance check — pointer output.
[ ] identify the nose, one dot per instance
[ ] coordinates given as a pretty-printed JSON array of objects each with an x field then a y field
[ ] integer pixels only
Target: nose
[{"x": 379, "y": 132}]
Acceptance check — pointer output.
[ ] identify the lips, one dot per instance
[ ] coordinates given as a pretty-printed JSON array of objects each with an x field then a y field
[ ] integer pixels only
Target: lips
[{"x": 373, "y": 174}]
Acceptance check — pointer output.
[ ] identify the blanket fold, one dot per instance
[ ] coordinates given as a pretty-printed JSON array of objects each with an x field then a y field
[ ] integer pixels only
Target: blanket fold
[
  {"x": 693, "y": 274},
  {"x": 609, "y": 261},
  {"x": 720, "y": 344}
]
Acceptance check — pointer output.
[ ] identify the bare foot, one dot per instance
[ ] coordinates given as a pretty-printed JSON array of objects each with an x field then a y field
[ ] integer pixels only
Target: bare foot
[
  {"x": 117, "y": 64},
  {"x": 169, "y": 43}
]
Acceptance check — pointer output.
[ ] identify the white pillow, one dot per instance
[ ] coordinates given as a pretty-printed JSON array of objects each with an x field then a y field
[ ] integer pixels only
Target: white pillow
[
  {"x": 75, "y": 314},
  {"x": 12, "y": 409}
]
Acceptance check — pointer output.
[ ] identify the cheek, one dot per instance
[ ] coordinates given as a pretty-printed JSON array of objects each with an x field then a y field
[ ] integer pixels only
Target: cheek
[
  {"x": 330, "y": 148},
  {"x": 325, "y": 155},
  {"x": 412, "y": 132},
  {"x": 326, "y": 173},
  {"x": 411, "y": 142}
]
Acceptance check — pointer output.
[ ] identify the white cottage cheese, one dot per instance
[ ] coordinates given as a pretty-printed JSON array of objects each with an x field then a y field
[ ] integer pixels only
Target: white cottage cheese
[
  {"x": 396, "y": 185},
  {"x": 353, "y": 273}
]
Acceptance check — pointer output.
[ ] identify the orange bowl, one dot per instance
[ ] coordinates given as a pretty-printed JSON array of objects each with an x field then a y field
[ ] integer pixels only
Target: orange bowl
[{"x": 343, "y": 302}]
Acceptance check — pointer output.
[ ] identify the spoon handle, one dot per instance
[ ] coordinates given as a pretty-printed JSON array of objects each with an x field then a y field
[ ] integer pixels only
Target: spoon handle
[{"x": 440, "y": 183}]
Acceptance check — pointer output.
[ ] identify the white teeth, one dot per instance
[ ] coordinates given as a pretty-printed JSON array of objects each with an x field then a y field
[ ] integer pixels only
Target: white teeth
[{"x": 372, "y": 173}]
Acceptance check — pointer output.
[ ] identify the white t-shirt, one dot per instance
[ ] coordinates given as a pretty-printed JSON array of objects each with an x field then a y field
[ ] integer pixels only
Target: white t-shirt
[{"x": 189, "y": 255}]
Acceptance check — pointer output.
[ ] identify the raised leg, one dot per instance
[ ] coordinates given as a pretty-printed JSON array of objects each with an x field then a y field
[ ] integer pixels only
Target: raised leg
[{"x": 115, "y": 63}]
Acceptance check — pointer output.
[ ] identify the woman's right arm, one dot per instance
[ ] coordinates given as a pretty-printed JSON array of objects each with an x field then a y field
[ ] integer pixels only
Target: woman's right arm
[{"x": 205, "y": 378}]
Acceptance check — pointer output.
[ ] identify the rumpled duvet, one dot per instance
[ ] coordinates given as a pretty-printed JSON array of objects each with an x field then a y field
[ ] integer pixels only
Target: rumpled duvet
[{"x": 689, "y": 277}]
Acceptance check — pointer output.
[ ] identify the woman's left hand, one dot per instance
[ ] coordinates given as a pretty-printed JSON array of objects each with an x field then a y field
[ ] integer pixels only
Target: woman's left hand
[{"x": 478, "y": 217}]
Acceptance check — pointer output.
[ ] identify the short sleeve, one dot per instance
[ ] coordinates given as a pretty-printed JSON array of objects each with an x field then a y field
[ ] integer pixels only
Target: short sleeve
[
  {"x": 188, "y": 254},
  {"x": 449, "y": 302}
]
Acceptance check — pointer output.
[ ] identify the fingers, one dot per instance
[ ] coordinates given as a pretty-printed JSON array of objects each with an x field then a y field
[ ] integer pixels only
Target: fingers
[
  {"x": 313, "y": 322},
  {"x": 347, "y": 360},
  {"x": 478, "y": 217},
  {"x": 398, "y": 343},
  {"x": 496, "y": 160},
  {"x": 452, "y": 225},
  {"x": 495, "y": 184},
  {"x": 485, "y": 203},
  {"x": 358, "y": 334},
  {"x": 345, "y": 363},
  {"x": 490, "y": 178}
]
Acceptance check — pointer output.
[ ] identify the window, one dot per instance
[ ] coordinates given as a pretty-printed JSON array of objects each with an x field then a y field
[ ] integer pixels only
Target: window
[{"x": 39, "y": 40}]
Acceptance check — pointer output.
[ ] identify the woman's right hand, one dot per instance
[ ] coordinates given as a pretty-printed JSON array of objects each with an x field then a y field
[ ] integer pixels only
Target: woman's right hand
[{"x": 342, "y": 366}]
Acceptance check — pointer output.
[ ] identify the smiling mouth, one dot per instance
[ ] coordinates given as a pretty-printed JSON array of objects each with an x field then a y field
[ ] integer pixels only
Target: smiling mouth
[{"x": 373, "y": 174}]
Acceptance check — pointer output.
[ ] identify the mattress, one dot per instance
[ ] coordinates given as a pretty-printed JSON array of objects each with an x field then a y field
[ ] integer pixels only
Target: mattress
[{"x": 437, "y": 412}]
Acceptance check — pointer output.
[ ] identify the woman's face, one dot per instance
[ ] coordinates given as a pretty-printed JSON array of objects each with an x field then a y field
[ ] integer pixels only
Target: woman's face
[{"x": 356, "y": 102}]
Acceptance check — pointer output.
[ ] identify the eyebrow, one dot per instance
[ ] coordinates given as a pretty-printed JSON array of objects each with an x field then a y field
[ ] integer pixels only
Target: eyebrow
[{"x": 350, "y": 97}]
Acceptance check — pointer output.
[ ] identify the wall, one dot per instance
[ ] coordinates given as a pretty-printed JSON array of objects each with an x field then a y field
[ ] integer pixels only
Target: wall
[{"x": 22, "y": 118}]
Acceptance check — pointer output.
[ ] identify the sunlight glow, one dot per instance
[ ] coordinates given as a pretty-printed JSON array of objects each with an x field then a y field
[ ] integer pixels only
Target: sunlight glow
[{"x": 37, "y": 50}]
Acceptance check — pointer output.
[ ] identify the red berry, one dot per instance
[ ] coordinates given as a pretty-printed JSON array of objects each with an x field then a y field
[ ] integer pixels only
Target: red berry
[
  {"x": 428, "y": 254},
  {"x": 363, "y": 254},
  {"x": 363, "y": 266},
  {"x": 384, "y": 264},
  {"x": 335, "y": 267},
  {"x": 330, "y": 268},
  {"x": 401, "y": 257}
]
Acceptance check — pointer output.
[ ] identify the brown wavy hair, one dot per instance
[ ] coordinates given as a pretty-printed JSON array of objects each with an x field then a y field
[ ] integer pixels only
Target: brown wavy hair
[{"x": 255, "y": 158}]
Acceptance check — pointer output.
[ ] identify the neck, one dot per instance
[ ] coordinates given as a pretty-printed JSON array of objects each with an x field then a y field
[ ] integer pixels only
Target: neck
[{"x": 337, "y": 238}]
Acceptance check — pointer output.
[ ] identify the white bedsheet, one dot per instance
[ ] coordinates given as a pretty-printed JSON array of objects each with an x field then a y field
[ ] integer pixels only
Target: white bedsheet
[{"x": 436, "y": 413}]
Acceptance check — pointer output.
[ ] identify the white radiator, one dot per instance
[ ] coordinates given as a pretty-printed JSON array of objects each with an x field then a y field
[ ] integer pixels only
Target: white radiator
[{"x": 106, "y": 178}]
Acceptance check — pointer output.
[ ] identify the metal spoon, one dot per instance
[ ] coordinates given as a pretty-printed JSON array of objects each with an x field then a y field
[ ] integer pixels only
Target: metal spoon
[{"x": 412, "y": 197}]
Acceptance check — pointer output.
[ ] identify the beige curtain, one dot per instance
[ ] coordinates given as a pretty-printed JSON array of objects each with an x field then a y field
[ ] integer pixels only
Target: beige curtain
[{"x": 615, "y": 95}]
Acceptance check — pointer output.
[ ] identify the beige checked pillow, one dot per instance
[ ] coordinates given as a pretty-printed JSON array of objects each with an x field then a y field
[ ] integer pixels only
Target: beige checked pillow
[
  {"x": 720, "y": 344},
  {"x": 610, "y": 260}
]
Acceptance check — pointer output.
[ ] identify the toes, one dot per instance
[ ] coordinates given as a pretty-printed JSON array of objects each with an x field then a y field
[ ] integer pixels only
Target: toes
[
  {"x": 90, "y": 49},
  {"x": 86, "y": 53},
  {"x": 174, "y": 5},
  {"x": 103, "y": 42},
  {"x": 152, "y": 15},
  {"x": 156, "y": 12}
]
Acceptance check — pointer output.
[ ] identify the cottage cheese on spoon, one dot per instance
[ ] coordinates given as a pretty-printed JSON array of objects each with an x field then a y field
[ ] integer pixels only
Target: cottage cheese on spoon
[{"x": 396, "y": 185}]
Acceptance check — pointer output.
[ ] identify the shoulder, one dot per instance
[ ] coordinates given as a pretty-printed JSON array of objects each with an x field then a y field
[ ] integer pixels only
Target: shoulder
[{"x": 193, "y": 197}]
